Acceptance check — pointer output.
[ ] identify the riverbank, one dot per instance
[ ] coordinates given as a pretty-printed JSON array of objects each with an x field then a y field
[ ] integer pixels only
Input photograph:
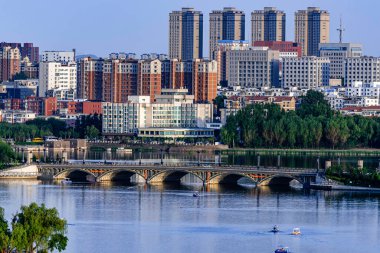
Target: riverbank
[
  {"x": 311, "y": 152},
  {"x": 344, "y": 188}
]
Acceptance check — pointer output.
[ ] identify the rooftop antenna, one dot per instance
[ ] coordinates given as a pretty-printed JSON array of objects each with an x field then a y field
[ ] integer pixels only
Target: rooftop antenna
[{"x": 341, "y": 30}]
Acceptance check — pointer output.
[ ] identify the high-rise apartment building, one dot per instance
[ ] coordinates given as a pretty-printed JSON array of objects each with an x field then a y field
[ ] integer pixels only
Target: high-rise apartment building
[
  {"x": 149, "y": 78},
  {"x": 268, "y": 25},
  {"x": 58, "y": 80},
  {"x": 26, "y": 50},
  {"x": 337, "y": 53},
  {"x": 90, "y": 78},
  {"x": 186, "y": 34},
  {"x": 226, "y": 24},
  {"x": 119, "y": 79},
  {"x": 10, "y": 62},
  {"x": 312, "y": 27}
]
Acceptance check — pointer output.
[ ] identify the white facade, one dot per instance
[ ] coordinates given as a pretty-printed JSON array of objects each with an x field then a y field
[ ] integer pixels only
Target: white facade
[
  {"x": 363, "y": 69},
  {"x": 16, "y": 116},
  {"x": 169, "y": 111},
  {"x": 58, "y": 56},
  {"x": 305, "y": 72},
  {"x": 58, "y": 79},
  {"x": 252, "y": 67}
]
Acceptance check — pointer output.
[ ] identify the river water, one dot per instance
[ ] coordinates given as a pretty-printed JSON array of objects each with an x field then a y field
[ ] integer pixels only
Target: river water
[{"x": 166, "y": 218}]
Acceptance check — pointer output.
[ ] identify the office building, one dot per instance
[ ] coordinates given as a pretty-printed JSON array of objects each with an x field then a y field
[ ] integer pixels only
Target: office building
[
  {"x": 253, "y": 67},
  {"x": 173, "y": 114},
  {"x": 221, "y": 56},
  {"x": 226, "y": 24},
  {"x": 268, "y": 25},
  {"x": 337, "y": 53},
  {"x": 286, "y": 48},
  {"x": 186, "y": 34},
  {"x": 312, "y": 27},
  {"x": 361, "y": 69},
  {"x": 58, "y": 56},
  {"x": 308, "y": 72}
]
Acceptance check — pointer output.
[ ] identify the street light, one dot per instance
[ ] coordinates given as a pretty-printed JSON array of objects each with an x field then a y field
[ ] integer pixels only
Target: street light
[
  {"x": 162, "y": 161},
  {"x": 83, "y": 156},
  {"x": 199, "y": 158},
  {"x": 318, "y": 164},
  {"x": 140, "y": 156},
  {"x": 45, "y": 155}
]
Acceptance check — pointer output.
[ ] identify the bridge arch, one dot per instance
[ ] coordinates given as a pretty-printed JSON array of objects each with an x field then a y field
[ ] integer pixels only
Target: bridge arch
[
  {"x": 122, "y": 175},
  {"x": 279, "y": 179},
  {"x": 230, "y": 178},
  {"x": 76, "y": 175},
  {"x": 174, "y": 176}
]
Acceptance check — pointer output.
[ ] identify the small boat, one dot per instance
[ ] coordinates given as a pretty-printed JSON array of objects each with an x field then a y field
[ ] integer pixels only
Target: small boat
[
  {"x": 66, "y": 181},
  {"x": 196, "y": 194},
  {"x": 296, "y": 231},
  {"x": 275, "y": 229},
  {"x": 282, "y": 250}
]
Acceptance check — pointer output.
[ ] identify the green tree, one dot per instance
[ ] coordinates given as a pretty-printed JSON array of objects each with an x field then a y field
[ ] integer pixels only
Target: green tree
[
  {"x": 5, "y": 233},
  {"x": 38, "y": 229},
  {"x": 7, "y": 154},
  {"x": 92, "y": 132}
]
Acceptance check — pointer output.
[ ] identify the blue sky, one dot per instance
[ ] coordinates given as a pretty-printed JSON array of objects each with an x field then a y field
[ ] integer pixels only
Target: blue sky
[{"x": 141, "y": 26}]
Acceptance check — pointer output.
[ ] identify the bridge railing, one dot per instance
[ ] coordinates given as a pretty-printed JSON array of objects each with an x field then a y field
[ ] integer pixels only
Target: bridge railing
[
  {"x": 184, "y": 166},
  {"x": 19, "y": 174}
]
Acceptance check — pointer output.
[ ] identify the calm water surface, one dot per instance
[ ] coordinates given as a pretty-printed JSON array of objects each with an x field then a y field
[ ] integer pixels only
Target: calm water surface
[{"x": 164, "y": 218}]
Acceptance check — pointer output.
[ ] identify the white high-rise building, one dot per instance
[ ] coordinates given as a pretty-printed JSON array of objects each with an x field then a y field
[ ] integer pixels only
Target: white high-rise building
[
  {"x": 58, "y": 80},
  {"x": 58, "y": 56}
]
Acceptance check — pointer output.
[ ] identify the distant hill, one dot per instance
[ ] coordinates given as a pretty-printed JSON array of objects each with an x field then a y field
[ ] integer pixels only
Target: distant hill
[{"x": 78, "y": 57}]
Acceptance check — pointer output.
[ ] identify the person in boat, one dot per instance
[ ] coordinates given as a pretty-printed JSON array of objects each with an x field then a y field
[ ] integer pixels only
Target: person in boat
[{"x": 275, "y": 229}]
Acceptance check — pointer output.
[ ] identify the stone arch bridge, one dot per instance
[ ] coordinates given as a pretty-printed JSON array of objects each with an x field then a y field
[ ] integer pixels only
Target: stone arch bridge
[{"x": 166, "y": 173}]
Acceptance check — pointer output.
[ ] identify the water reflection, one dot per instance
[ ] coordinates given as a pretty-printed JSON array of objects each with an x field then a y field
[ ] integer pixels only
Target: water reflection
[{"x": 113, "y": 217}]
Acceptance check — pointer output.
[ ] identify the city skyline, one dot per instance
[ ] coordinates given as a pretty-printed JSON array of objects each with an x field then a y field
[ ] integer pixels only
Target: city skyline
[{"x": 82, "y": 28}]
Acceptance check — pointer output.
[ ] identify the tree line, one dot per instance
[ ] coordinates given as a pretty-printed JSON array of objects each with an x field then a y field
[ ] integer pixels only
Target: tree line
[
  {"x": 89, "y": 126},
  {"x": 313, "y": 125}
]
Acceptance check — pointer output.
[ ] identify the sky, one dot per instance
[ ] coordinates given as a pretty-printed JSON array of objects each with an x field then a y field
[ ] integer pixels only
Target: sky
[{"x": 141, "y": 26}]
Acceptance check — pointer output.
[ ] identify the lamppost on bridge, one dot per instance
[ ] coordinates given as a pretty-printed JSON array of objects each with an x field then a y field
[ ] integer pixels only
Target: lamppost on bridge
[
  {"x": 318, "y": 160},
  {"x": 84, "y": 157},
  {"x": 23, "y": 155},
  {"x": 258, "y": 161},
  {"x": 162, "y": 159},
  {"x": 39, "y": 155},
  {"x": 199, "y": 157},
  {"x": 140, "y": 156},
  {"x": 220, "y": 158},
  {"x": 44, "y": 155}
]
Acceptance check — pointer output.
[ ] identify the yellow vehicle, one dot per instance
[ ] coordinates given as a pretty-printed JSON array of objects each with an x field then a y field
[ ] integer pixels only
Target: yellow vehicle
[{"x": 38, "y": 140}]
